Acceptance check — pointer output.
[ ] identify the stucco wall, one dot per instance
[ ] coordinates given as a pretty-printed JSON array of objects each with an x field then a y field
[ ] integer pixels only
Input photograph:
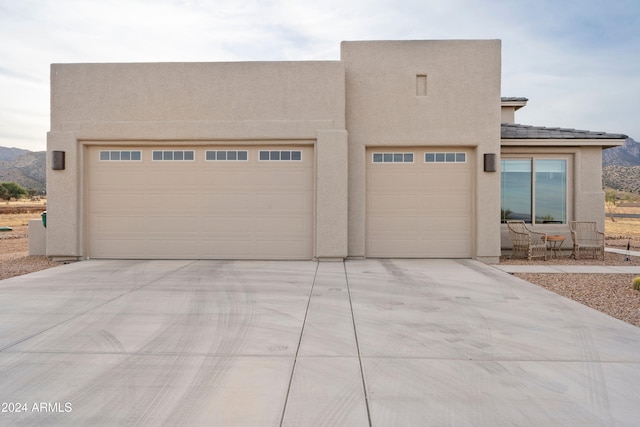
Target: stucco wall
[
  {"x": 222, "y": 92},
  {"x": 331, "y": 195},
  {"x": 589, "y": 203},
  {"x": 37, "y": 238},
  {"x": 64, "y": 201},
  {"x": 508, "y": 115},
  {"x": 184, "y": 104},
  {"x": 459, "y": 106}
]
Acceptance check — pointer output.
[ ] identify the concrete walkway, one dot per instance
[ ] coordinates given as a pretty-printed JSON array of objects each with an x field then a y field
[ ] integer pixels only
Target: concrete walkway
[
  {"x": 549, "y": 267},
  {"x": 361, "y": 343}
]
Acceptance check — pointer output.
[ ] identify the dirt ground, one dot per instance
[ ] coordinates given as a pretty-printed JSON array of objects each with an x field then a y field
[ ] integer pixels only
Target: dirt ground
[
  {"x": 14, "y": 254},
  {"x": 620, "y": 242}
]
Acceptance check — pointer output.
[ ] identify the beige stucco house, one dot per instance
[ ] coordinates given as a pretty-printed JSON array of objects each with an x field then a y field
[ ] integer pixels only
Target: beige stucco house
[{"x": 400, "y": 149}]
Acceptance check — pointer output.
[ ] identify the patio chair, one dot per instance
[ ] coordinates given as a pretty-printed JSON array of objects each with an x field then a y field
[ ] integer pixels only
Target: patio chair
[
  {"x": 587, "y": 239},
  {"x": 527, "y": 243}
]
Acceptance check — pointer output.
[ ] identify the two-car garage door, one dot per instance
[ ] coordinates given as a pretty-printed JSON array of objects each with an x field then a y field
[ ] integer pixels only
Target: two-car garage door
[
  {"x": 419, "y": 203},
  {"x": 200, "y": 202}
]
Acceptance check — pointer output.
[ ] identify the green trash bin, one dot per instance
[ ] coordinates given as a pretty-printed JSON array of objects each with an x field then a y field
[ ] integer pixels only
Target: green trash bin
[{"x": 44, "y": 218}]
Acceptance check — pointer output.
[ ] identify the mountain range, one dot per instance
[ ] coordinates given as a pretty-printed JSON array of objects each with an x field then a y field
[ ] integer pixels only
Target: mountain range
[
  {"x": 27, "y": 168},
  {"x": 620, "y": 167},
  {"x": 624, "y": 155}
]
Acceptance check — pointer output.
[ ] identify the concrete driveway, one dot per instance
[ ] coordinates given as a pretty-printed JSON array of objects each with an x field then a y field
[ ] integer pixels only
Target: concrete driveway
[{"x": 372, "y": 342}]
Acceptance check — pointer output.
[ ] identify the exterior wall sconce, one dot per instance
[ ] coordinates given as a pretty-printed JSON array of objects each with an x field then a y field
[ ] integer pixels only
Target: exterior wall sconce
[
  {"x": 57, "y": 161},
  {"x": 490, "y": 162}
]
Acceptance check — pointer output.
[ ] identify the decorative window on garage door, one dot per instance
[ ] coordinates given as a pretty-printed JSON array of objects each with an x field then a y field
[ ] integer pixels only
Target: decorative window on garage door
[
  {"x": 174, "y": 155},
  {"x": 445, "y": 157},
  {"x": 120, "y": 155},
  {"x": 281, "y": 155},
  {"x": 392, "y": 158},
  {"x": 227, "y": 155}
]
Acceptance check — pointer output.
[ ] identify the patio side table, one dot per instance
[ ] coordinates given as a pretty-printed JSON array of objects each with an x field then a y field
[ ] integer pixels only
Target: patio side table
[{"x": 555, "y": 245}]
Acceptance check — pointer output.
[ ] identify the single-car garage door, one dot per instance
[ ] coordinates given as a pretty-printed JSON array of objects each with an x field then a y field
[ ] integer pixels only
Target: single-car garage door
[
  {"x": 200, "y": 202},
  {"x": 418, "y": 203}
]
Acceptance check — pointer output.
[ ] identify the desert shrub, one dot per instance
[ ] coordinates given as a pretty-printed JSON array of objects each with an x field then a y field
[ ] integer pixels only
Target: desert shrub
[
  {"x": 636, "y": 284},
  {"x": 10, "y": 190}
]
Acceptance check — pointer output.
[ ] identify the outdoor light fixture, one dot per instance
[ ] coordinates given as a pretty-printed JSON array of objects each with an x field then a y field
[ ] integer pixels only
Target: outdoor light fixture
[
  {"x": 57, "y": 161},
  {"x": 490, "y": 162}
]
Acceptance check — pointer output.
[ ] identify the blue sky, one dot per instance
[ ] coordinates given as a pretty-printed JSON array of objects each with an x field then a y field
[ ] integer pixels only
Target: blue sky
[{"x": 578, "y": 61}]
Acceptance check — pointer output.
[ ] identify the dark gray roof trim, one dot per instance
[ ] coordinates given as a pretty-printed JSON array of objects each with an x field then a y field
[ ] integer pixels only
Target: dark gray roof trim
[
  {"x": 516, "y": 131},
  {"x": 513, "y": 99}
]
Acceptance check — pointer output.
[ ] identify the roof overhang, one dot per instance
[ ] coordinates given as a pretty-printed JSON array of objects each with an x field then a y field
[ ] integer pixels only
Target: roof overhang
[
  {"x": 516, "y": 103},
  {"x": 604, "y": 143},
  {"x": 516, "y": 135}
]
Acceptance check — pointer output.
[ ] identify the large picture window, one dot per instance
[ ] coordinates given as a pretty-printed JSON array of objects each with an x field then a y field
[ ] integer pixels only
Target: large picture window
[{"x": 534, "y": 190}]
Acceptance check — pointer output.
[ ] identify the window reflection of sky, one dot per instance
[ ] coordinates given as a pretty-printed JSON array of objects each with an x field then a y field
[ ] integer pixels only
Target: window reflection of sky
[{"x": 550, "y": 190}]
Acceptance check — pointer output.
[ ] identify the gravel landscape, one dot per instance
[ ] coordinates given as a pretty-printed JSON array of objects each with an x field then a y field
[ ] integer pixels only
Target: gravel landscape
[
  {"x": 609, "y": 293},
  {"x": 14, "y": 255}
]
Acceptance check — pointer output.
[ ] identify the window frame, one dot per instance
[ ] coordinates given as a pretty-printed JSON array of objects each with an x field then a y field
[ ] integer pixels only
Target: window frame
[
  {"x": 279, "y": 155},
  {"x": 444, "y": 155},
  {"x": 173, "y": 159},
  {"x": 568, "y": 193},
  {"x": 206, "y": 155},
  {"x": 120, "y": 159},
  {"x": 393, "y": 155}
]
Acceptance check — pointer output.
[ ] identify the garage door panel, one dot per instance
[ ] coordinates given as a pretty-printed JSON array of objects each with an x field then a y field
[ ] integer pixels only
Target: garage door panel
[
  {"x": 296, "y": 202},
  {"x": 418, "y": 210},
  {"x": 386, "y": 202},
  {"x": 280, "y": 179},
  {"x": 152, "y": 248},
  {"x": 200, "y": 209},
  {"x": 434, "y": 185},
  {"x": 172, "y": 202},
  {"x": 449, "y": 203},
  {"x": 393, "y": 180},
  {"x": 101, "y": 247},
  {"x": 459, "y": 173},
  {"x": 140, "y": 203},
  {"x": 267, "y": 246},
  {"x": 236, "y": 225},
  {"x": 224, "y": 247},
  {"x": 240, "y": 202},
  {"x": 145, "y": 224},
  {"x": 232, "y": 225},
  {"x": 170, "y": 224},
  {"x": 167, "y": 179},
  {"x": 401, "y": 248},
  {"x": 278, "y": 248},
  {"x": 118, "y": 179},
  {"x": 229, "y": 179},
  {"x": 444, "y": 247},
  {"x": 114, "y": 224},
  {"x": 182, "y": 247},
  {"x": 444, "y": 226},
  {"x": 107, "y": 201},
  {"x": 387, "y": 225},
  {"x": 281, "y": 226},
  {"x": 273, "y": 201}
]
